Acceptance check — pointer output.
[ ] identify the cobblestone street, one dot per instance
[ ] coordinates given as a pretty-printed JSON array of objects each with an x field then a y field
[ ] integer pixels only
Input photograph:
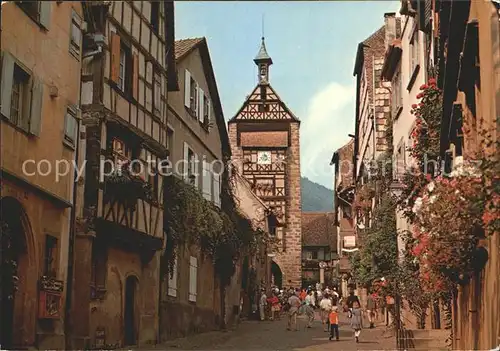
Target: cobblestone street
[{"x": 253, "y": 335}]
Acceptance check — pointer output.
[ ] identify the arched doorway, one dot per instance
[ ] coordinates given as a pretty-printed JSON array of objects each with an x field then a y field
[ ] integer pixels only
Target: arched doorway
[
  {"x": 277, "y": 275},
  {"x": 14, "y": 266},
  {"x": 130, "y": 318}
]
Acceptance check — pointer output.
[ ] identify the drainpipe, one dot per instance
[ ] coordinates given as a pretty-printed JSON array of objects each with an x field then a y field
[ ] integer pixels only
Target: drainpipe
[{"x": 72, "y": 219}]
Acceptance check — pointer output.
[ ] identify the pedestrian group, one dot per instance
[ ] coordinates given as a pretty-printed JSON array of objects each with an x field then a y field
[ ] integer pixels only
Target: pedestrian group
[{"x": 294, "y": 302}]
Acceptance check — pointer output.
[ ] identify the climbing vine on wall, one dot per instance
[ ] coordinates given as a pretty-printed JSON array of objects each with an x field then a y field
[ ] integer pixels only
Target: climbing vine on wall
[{"x": 222, "y": 234}]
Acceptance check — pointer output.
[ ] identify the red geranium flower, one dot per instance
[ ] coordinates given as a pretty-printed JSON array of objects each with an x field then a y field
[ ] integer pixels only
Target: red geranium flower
[
  {"x": 414, "y": 106},
  {"x": 423, "y": 86}
]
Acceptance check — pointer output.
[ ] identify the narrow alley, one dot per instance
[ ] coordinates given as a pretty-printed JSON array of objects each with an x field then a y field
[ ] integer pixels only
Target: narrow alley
[{"x": 272, "y": 335}]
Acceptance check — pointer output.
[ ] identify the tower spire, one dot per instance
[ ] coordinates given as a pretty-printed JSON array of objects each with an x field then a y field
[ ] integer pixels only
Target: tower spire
[{"x": 263, "y": 61}]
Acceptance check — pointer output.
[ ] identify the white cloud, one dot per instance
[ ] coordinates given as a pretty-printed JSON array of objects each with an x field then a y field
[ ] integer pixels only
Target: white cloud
[{"x": 325, "y": 128}]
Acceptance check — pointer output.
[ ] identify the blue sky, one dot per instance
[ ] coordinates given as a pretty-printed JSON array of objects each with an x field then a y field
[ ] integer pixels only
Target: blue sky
[{"x": 313, "y": 47}]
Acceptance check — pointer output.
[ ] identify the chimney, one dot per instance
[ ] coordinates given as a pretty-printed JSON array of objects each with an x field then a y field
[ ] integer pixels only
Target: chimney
[{"x": 390, "y": 28}]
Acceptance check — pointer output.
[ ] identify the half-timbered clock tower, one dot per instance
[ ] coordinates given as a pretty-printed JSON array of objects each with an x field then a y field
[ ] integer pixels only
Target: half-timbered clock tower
[{"x": 264, "y": 137}]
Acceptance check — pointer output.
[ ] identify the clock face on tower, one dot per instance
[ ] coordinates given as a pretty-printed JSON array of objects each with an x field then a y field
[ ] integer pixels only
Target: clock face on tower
[{"x": 264, "y": 157}]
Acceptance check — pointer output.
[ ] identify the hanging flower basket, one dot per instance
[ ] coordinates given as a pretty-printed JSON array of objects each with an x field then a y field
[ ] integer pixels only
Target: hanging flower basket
[{"x": 124, "y": 186}]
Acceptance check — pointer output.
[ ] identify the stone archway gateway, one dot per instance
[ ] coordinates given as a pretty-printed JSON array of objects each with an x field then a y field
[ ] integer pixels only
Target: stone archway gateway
[
  {"x": 277, "y": 275},
  {"x": 16, "y": 258}
]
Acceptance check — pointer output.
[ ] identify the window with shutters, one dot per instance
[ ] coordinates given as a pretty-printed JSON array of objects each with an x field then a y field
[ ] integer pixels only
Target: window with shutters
[
  {"x": 172, "y": 280},
  {"x": 20, "y": 98},
  {"x": 207, "y": 180},
  {"x": 75, "y": 35},
  {"x": 414, "y": 51},
  {"x": 397, "y": 93},
  {"x": 191, "y": 170},
  {"x": 125, "y": 69},
  {"x": 38, "y": 11},
  {"x": 193, "y": 97},
  {"x": 193, "y": 278},
  {"x": 70, "y": 127}
]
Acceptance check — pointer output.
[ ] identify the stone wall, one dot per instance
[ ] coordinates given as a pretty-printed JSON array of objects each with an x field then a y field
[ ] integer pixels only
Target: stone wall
[
  {"x": 180, "y": 317},
  {"x": 108, "y": 313},
  {"x": 290, "y": 260}
]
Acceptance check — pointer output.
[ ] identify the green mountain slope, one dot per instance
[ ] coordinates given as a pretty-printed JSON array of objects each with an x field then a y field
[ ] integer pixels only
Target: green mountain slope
[{"x": 315, "y": 197}]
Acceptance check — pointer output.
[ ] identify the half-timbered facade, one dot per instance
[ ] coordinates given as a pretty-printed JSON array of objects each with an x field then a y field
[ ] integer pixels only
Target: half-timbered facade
[
  {"x": 128, "y": 67},
  {"x": 39, "y": 132},
  {"x": 264, "y": 136},
  {"x": 198, "y": 145}
]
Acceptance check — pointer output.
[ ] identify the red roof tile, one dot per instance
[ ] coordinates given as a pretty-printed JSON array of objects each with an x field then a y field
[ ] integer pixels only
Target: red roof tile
[
  {"x": 183, "y": 46},
  {"x": 318, "y": 229}
]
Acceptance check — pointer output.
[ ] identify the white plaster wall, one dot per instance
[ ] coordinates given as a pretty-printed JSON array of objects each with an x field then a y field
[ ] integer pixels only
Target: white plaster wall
[{"x": 403, "y": 126}]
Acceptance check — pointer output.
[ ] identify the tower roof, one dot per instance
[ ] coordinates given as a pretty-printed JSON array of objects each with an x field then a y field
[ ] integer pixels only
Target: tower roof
[{"x": 262, "y": 55}]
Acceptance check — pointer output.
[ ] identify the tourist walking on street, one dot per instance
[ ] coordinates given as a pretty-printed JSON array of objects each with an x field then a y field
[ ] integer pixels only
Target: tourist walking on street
[
  {"x": 333, "y": 320},
  {"x": 275, "y": 306},
  {"x": 351, "y": 299},
  {"x": 303, "y": 295},
  {"x": 356, "y": 320},
  {"x": 370, "y": 310},
  {"x": 325, "y": 305},
  {"x": 262, "y": 305},
  {"x": 293, "y": 306},
  {"x": 309, "y": 312}
]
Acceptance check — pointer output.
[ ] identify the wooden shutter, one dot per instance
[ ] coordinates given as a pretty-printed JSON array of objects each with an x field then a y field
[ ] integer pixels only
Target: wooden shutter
[
  {"x": 187, "y": 89},
  {"x": 115, "y": 57},
  {"x": 135, "y": 76},
  {"x": 45, "y": 12},
  {"x": 207, "y": 181},
  {"x": 196, "y": 99},
  {"x": 35, "y": 120},
  {"x": 209, "y": 112},
  {"x": 186, "y": 160},
  {"x": 428, "y": 16},
  {"x": 193, "y": 278},
  {"x": 172, "y": 280},
  {"x": 216, "y": 178},
  {"x": 201, "y": 97},
  {"x": 196, "y": 169},
  {"x": 7, "y": 81}
]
